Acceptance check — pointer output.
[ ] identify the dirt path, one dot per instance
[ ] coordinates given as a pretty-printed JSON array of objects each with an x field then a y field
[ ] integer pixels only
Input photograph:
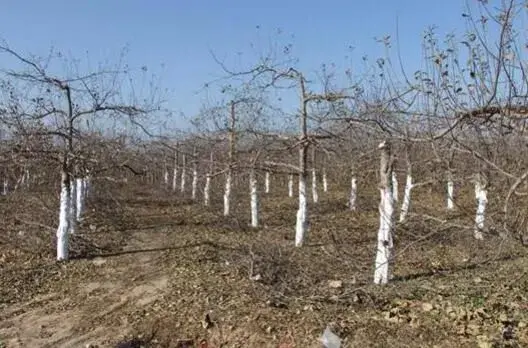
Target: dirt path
[{"x": 129, "y": 280}]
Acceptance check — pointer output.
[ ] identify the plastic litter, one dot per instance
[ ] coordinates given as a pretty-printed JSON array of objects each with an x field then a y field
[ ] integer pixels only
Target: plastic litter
[{"x": 330, "y": 339}]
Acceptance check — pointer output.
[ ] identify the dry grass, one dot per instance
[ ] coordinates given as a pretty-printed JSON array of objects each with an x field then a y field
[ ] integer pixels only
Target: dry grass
[{"x": 152, "y": 265}]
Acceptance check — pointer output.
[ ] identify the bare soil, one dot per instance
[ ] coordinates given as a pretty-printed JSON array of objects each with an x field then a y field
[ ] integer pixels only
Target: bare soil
[{"x": 151, "y": 269}]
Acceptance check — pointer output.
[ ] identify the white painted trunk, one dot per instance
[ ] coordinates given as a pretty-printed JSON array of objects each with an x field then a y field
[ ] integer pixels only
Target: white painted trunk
[
  {"x": 174, "y": 178},
  {"x": 406, "y": 198},
  {"x": 182, "y": 182},
  {"x": 353, "y": 194},
  {"x": 5, "y": 187},
  {"x": 166, "y": 177},
  {"x": 85, "y": 186},
  {"x": 290, "y": 185},
  {"x": 325, "y": 182},
  {"x": 254, "y": 198},
  {"x": 73, "y": 206},
  {"x": 395, "y": 187},
  {"x": 207, "y": 190},
  {"x": 227, "y": 194},
  {"x": 64, "y": 221},
  {"x": 267, "y": 182},
  {"x": 27, "y": 178},
  {"x": 80, "y": 198},
  {"x": 194, "y": 183},
  {"x": 315, "y": 195},
  {"x": 88, "y": 186},
  {"x": 301, "y": 226},
  {"x": 481, "y": 195},
  {"x": 450, "y": 195},
  {"x": 386, "y": 216},
  {"x": 386, "y": 210}
]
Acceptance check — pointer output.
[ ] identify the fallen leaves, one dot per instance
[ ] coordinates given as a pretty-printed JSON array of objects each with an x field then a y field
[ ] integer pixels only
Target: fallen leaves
[
  {"x": 427, "y": 307},
  {"x": 293, "y": 289},
  {"x": 335, "y": 284}
]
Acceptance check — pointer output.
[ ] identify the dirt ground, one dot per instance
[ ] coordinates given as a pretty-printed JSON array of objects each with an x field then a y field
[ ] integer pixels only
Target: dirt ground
[{"x": 151, "y": 267}]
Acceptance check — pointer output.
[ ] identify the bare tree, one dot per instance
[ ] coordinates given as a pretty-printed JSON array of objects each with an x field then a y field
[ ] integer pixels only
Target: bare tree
[
  {"x": 61, "y": 104},
  {"x": 386, "y": 212}
]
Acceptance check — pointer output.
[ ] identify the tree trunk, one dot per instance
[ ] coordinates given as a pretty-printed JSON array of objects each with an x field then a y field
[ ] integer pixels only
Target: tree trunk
[
  {"x": 194, "y": 184},
  {"x": 73, "y": 206},
  {"x": 353, "y": 194},
  {"x": 231, "y": 158},
  {"x": 87, "y": 185},
  {"x": 450, "y": 192},
  {"x": 315, "y": 195},
  {"x": 207, "y": 187},
  {"x": 481, "y": 194},
  {"x": 325, "y": 182},
  {"x": 450, "y": 185},
  {"x": 227, "y": 193},
  {"x": 175, "y": 172},
  {"x": 64, "y": 221},
  {"x": 166, "y": 176},
  {"x": 395, "y": 186},
  {"x": 183, "y": 174},
  {"x": 406, "y": 197},
  {"x": 290, "y": 185},
  {"x": 79, "y": 182},
  {"x": 302, "y": 213},
  {"x": 267, "y": 182},
  {"x": 253, "y": 191},
  {"x": 301, "y": 227},
  {"x": 386, "y": 211}
]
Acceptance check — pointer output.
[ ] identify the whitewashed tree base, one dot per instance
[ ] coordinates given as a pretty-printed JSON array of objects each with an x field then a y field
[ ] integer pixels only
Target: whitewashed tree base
[
  {"x": 406, "y": 198},
  {"x": 227, "y": 195},
  {"x": 395, "y": 187},
  {"x": 194, "y": 184},
  {"x": 301, "y": 226},
  {"x": 450, "y": 195},
  {"x": 63, "y": 230},
  {"x": 481, "y": 195},
  {"x": 207, "y": 189},
  {"x": 174, "y": 179},
  {"x": 386, "y": 213},
  {"x": 315, "y": 194},
  {"x": 79, "y": 182},
  {"x": 383, "y": 255},
  {"x": 253, "y": 187},
  {"x": 72, "y": 215},
  {"x": 290, "y": 185},
  {"x": 353, "y": 194}
]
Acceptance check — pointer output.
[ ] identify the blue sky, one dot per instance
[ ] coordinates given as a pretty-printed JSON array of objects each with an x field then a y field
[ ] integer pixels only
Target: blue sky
[{"x": 180, "y": 34}]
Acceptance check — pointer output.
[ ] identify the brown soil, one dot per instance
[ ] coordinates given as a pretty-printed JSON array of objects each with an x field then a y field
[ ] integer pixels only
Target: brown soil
[{"x": 155, "y": 268}]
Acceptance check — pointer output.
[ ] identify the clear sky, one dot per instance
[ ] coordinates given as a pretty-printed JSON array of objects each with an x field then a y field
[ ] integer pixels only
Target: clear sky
[{"x": 180, "y": 34}]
